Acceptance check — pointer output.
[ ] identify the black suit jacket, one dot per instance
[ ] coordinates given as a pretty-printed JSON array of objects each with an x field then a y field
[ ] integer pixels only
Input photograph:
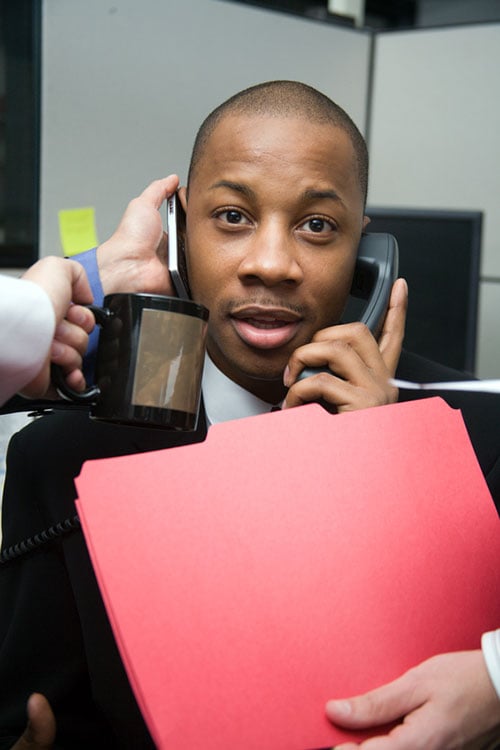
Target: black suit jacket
[{"x": 55, "y": 637}]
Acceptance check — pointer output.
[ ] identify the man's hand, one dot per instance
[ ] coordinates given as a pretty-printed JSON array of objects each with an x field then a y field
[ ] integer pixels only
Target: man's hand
[
  {"x": 40, "y": 731},
  {"x": 134, "y": 259},
  {"x": 360, "y": 366},
  {"x": 65, "y": 282},
  {"x": 445, "y": 703}
]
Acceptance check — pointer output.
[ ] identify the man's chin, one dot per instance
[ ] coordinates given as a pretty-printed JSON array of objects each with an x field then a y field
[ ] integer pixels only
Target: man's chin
[{"x": 267, "y": 377}]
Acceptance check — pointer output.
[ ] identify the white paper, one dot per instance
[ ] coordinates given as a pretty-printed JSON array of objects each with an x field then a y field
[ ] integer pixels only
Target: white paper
[{"x": 483, "y": 386}]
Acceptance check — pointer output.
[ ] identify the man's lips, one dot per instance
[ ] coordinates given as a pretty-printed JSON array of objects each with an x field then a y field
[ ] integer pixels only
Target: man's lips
[{"x": 265, "y": 327}]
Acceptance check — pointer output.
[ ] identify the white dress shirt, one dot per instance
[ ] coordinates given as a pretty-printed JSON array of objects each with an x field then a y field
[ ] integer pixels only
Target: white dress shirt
[
  {"x": 225, "y": 400},
  {"x": 490, "y": 643}
]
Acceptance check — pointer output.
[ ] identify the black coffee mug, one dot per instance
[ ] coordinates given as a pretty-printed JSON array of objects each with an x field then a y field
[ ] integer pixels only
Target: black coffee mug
[{"x": 149, "y": 362}]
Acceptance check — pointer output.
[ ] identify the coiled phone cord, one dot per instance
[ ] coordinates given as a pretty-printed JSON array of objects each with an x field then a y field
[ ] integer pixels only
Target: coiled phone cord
[
  {"x": 38, "y": 540},
  {"x": 38, "y": 408}
]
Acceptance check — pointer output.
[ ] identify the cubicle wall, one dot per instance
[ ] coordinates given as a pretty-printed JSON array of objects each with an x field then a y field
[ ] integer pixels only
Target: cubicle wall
[
  {"x": 434, "y": 142},
  {"x": 126, "y": 84}
]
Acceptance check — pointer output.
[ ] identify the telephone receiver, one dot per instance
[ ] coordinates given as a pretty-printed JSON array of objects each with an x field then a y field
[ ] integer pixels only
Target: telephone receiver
[{"x": 375, "y": 272}]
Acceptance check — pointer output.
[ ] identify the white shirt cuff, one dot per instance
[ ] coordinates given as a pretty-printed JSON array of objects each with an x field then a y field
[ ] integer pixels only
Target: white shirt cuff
[{"x": 490, "y": 643}]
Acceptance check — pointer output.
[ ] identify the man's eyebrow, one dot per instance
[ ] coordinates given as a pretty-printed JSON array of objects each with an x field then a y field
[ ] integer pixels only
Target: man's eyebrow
[
  {"x": 238, "y": 187},
  {"x": 312, "y": 194}
]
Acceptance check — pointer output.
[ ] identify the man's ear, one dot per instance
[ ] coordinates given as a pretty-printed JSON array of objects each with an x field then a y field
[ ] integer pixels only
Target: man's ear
[
  {"x": 366, "y": 221},
  {"x": 183, "y": 197}
]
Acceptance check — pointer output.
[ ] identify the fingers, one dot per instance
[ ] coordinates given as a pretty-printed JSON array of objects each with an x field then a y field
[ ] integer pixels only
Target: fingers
[
  {"x": 355, "y": 367},
  {"x": 421, "y": 731},
  {"x": 69, "y": 345},
  {"x": 76, "y": 380},
  {"x": 81, "y": 317},
  {"x": 63, "y": 280},
  {"x": 393, "y": 331},
  {"x": 159, "y": 190},
  {"x": 447, "y": 701},
  {"x": 380, "y": 706},
  {"x": 134, "y": 258},
  {"x": 81, "y": 291},
  {"x": 67, "y": 350},
  {"x": 354, "y": 374},
  {"x": 40, "y": 732}
]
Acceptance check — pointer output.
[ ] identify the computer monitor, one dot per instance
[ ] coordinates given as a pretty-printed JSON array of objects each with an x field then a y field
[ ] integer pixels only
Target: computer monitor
[{"x": 439, "y": 256}]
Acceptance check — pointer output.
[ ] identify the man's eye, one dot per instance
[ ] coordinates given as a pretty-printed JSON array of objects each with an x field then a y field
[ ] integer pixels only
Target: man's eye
[
  {"x": 232, "y": 216},
  {"x": 318, "y": 225}
]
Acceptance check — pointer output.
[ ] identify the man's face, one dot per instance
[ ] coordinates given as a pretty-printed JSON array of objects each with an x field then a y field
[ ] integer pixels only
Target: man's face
[{"x": 274, "y": 217}]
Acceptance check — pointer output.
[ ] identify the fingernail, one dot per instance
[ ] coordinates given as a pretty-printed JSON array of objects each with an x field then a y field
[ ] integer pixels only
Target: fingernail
[
  {"x": 286, "y": 377},
  {"x": 81, "y": 316},
  {"x": 341, "y": 708},
  {"x": 403, "y": 287},
  {"x": 57, "y": 349}
]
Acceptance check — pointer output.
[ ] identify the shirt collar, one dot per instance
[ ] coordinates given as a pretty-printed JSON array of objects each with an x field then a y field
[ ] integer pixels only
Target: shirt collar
[{"x": 224, "y": 399}]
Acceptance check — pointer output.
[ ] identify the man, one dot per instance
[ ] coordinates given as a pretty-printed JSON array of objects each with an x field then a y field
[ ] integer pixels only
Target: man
[{"x": 275, "y": 210}]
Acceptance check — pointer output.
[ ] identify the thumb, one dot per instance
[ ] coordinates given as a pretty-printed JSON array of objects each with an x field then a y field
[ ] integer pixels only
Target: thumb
[
  {"x": 40, "y": 731},
  {"x": 385, "y": 704}
]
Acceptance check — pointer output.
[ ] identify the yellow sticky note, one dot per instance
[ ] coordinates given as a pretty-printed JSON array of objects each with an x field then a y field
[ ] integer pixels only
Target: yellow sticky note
[{"x": 77, "y": 229}]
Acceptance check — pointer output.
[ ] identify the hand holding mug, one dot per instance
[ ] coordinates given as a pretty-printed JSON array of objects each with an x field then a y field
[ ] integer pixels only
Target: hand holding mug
[{"x": 149, "y": 361}]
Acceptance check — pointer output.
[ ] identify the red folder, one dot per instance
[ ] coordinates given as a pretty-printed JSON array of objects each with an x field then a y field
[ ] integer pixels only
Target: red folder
[{"x": 290, "y": 558}]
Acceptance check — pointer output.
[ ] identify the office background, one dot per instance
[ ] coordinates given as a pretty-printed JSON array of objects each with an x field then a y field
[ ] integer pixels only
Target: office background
[{"x": 124, "y": 86}]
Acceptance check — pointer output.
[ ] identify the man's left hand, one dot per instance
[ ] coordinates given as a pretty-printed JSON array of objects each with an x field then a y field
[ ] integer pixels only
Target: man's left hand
[{"x": 359, "y": 367}]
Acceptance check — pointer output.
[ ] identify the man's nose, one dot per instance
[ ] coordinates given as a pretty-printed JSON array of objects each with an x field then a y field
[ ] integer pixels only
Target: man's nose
[{"x": 271, "y": 258}]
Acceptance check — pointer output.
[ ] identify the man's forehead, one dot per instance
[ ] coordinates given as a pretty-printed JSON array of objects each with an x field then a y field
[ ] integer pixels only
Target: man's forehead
[
  {"x": 244, "y": 137},
  {"x": 239, "y": 125},
  {"x": 319, "y": 154}
]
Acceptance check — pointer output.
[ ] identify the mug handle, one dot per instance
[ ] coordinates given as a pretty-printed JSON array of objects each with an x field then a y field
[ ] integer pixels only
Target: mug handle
[{"x": 102, "y": 315}]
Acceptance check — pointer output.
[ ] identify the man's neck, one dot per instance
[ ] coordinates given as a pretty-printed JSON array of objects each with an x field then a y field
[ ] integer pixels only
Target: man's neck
[{"x": 225, "y": 400}]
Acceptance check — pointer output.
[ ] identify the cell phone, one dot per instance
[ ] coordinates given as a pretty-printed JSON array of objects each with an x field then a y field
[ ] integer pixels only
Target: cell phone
[
  {"x": 176, "y": 230},
  {"x": 375, "y": 272}
]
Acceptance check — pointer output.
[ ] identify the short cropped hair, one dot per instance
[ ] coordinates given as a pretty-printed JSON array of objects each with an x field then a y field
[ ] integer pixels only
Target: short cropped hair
[{"x": 285, "y": 98}]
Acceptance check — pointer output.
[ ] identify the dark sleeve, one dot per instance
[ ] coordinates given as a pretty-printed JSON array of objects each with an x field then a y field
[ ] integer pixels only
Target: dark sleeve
[
  {"x": 41, "y": 646},
  {"x": 55, "y": 636},
  {"x": 480, "y": 411}
]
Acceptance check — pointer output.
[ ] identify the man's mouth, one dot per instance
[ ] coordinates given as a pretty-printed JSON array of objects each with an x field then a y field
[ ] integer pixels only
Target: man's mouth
[{"x": 264, "y": 327}]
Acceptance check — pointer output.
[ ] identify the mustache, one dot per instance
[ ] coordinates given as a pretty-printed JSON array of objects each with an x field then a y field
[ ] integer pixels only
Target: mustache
[{"x": 275, "y": 302}]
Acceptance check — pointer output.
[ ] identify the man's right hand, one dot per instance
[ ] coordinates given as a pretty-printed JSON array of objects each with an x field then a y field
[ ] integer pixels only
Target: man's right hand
[
  {"x": 134, "y": 259},
  {"x": 40, "y": 731}
]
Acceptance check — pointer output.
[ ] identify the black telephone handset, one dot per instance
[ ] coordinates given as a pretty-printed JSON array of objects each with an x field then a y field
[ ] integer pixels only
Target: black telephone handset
[{"x": 375, "y": 272}]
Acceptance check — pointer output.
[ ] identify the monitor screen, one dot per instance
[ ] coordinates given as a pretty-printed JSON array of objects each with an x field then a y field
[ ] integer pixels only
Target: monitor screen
[{"x": 439, "y": 256}]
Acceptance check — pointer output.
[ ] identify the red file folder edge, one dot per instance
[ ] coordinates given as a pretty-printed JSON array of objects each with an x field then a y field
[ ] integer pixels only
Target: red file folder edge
[{"x": 289, "y": 559}]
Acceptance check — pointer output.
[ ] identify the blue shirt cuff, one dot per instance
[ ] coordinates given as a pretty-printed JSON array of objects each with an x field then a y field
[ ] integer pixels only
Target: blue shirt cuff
[{"x": 89, "y": 262}]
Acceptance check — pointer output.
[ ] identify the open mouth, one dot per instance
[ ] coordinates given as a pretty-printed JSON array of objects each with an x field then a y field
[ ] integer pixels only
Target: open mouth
[{"x": 265, "y": 328}]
